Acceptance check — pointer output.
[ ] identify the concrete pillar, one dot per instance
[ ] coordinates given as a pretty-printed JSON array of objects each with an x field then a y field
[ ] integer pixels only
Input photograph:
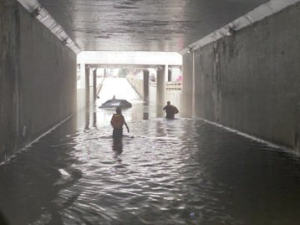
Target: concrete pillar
[
  {"x": 169, "y": 74},
  {"x": 161, "y": 86},
  {"x": 87, "y": 119},
  {"x": 194, "y": 84},
  {"x": 87, "y": 86},
  {"x": 187, "y": 85},
  {"x": 146, "y": 85},
  {"x": 166, "y": 68},
  {"x": 82, "y": 76},
  {"x": 94, "y": 85}
]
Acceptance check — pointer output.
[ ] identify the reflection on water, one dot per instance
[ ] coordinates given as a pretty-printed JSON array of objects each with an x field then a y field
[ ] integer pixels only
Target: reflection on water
[
  {"x": 117, "y": 147},
  {"x": 95, "y": 119},
  {"x": 180, "y": 171}
]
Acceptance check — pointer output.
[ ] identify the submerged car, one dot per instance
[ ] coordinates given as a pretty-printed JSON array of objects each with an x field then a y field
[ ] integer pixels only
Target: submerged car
[{"x": 113, "y": 103}]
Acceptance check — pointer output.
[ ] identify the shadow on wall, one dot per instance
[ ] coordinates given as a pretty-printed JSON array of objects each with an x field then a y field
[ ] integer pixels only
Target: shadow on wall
[{"x": 3, "y": 221}]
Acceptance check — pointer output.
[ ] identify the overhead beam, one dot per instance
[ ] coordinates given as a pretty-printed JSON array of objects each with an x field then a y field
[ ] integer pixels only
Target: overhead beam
[{"x": 130, "y": 58}]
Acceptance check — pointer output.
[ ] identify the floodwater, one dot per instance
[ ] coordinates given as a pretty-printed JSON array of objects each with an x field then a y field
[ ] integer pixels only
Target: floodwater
[{"x": 181, "y": 171}]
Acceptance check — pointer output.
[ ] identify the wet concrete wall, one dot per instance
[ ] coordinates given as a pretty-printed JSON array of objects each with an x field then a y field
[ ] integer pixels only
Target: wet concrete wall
[
  {"x": 250, "y": 81},
  {"x": 152, "y": 92},
  {"x": 9, "y": 67},
  {"x": 38, "y": 79},
  {"x": 137, "y": 84},
  {"x": 174, "y": 96},
  {"x": 187, "y": 85}
]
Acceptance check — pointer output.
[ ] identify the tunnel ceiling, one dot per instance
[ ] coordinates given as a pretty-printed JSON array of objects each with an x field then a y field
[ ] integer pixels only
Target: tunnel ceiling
[{"x": 143, "y": 25}]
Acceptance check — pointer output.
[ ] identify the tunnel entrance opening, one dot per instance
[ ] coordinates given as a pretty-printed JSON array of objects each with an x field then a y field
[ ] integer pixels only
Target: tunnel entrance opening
[{"x": 150, "y": 75}]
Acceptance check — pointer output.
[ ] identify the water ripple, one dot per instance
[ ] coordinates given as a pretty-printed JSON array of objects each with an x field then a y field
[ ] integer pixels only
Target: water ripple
[{"x": 183, "y": 171}]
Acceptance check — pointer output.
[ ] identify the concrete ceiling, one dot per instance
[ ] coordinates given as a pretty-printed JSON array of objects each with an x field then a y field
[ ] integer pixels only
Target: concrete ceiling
[{"x": 143, "y": 25}]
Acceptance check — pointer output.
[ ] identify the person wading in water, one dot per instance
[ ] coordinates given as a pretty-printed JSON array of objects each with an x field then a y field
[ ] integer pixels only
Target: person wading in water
[
  {"x": 117, "y": 122},
  {"x": 171, "y": 110}
]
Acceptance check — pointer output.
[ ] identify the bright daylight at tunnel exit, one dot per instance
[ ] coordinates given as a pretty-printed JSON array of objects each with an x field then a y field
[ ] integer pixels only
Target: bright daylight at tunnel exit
[{"x": 141, "y": 112}]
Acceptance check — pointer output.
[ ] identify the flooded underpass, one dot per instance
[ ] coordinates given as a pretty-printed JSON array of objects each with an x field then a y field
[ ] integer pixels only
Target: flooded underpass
[{"x": 181, "y": 171}]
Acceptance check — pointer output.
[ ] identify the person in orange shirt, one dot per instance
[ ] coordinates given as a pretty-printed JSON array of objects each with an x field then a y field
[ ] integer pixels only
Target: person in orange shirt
[{"x": 117, "y": 121}]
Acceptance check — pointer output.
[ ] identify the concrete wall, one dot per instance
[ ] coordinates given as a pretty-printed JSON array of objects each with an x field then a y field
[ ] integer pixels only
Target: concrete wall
[
  {"x": 9, "y": 79},
  {"x": 187, "y": 85},
  {"x": 81, "y": 98},
  {"x": 137, "y": 84},
  {"x": 152, "y": 92},
  {"x": 174, "y": 96},
  {"x": 38, "y": 79},
  {"x": 250, "y": 81}
]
